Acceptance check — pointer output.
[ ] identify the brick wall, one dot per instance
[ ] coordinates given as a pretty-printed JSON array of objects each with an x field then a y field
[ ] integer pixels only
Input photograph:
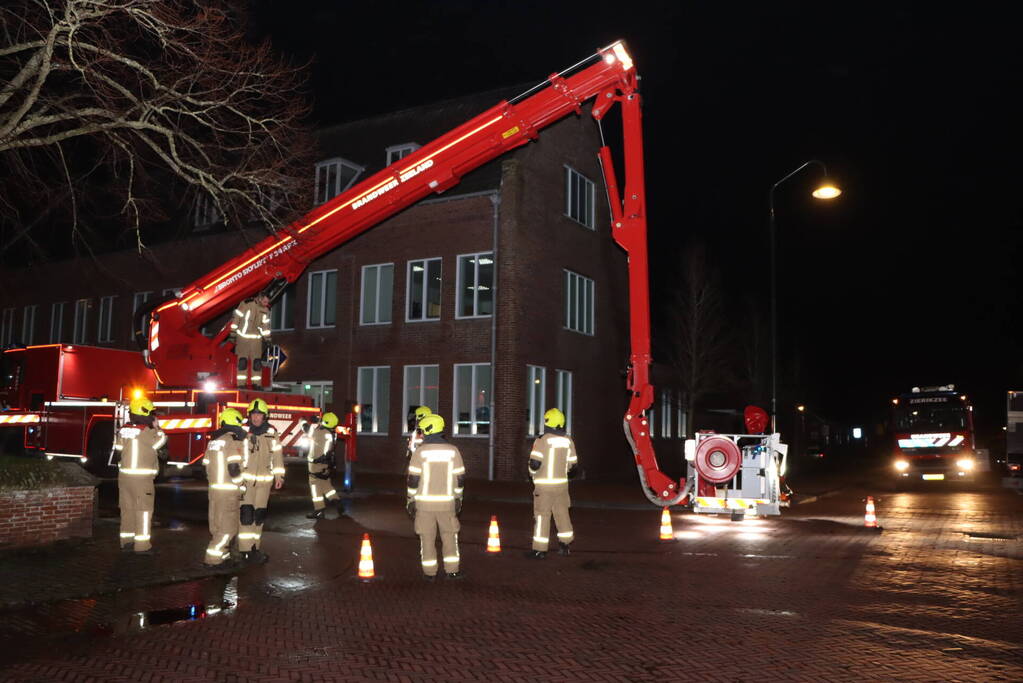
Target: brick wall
[{"x": 46, "y": 515}]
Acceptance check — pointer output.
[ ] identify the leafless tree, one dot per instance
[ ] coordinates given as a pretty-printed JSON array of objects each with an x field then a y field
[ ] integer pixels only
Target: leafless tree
[
  {"x": 700, "y": 348},
  {"x": 136, "y": 95}
]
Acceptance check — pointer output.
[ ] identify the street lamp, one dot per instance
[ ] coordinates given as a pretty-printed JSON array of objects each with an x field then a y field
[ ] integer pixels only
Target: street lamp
[{"x": 825, "y": 190}]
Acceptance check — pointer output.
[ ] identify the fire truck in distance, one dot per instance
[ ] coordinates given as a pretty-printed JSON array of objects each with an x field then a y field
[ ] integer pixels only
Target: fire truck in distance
[{"x": 934, "y": 437}]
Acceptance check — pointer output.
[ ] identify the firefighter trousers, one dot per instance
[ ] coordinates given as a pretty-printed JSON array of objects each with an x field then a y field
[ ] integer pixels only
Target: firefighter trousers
[
  {"x": 321, "y": 489},
  {"x": 252, "y": 514},
  {"x": 547, "y": 501},
  {"x": 135, "y": 498},
  {"x": 250, "y": 350},
  {"x": 427, "y": 524},
  {"x": 223, "y": 517}
]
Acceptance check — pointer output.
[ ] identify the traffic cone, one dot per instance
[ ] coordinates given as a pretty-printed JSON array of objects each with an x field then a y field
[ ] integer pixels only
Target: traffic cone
[
  {"x": 366, "y": 560},
  {"x": 494, "y": 537},
  {"x": 667, "y": 533},
  {"x": 870, "y": 519}
]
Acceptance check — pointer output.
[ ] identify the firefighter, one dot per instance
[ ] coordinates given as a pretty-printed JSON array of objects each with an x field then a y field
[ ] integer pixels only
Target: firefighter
[
  {"x": 436, "y": 480},
  {"x": 136, "y": 447},
  {"x": 250, "y": 332},
  {"x": 415, "y": 434},
  {"x": 321, "y": 462},
  {"x": 551, "y": 464},
  {"x": 262, "y": 467},
  {"x": 223, "y": 459}
]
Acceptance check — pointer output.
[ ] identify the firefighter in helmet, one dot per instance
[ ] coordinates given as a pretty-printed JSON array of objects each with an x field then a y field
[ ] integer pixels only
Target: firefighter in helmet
[
  {"x": 436, "y": 480},
  {"x": 552, "y": 462},
  {"x": 321, "y": 438},
  {"x": 136, "y": 447},
  {"x": 261, "y": 468},
  {"x": 250, "y": 332},
  {"x": 415, "y": 433},
  {"x": 225, "y": 453}
]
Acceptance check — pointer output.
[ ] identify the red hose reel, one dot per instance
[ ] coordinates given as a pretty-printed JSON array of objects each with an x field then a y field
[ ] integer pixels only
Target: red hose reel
[{"x": 717, "y": 459}]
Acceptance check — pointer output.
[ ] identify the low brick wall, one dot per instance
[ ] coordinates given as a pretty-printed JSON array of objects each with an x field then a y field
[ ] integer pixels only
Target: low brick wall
[{"x": 46, "y": 515}]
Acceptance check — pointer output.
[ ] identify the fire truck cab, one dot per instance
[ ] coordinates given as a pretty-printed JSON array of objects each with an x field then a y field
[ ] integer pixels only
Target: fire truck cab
[{"x": 934, "y": 438}]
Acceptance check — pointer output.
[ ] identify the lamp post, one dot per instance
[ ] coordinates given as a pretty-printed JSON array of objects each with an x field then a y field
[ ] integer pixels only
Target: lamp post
[{"x": 825, "y": 190}]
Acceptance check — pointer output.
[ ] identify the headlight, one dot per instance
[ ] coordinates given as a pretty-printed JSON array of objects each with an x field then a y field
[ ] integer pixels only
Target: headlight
[
  {"x": 964, "y": 464},
  {"x": 901, "y": 465}
]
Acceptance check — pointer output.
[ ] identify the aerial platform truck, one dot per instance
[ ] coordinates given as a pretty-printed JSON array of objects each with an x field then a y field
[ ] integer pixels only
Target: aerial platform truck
[{"x": 195, "y": 374}]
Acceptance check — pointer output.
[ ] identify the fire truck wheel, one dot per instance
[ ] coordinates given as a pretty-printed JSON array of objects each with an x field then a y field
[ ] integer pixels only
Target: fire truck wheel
[{"x": 97, "y": 452}]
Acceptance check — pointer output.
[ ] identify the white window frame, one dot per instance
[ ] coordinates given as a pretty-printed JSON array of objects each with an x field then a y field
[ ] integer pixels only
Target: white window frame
[
  {"x": 534, "y": 412},
  {"x": 422, "y": 391},
  {"x": 104, "y": 328},
  {"x": 337, "y": 189},
  {"x": 681, "y": 417},
  {"x": 283, "y": 300},
  {"x": 7, "y": 327},
  {"x": 474, "y": 369},
  {"x": 588, "y": 188},
  {"x": 426, "y": 289},
  {"x": 563, "y": 399},
  {"x": 459, "y": 292},
  {"x": 138, "y": 299},
  {"x": 666, "y": 413},
  {"x": 379, "y": 306},
  {"x": 79, "y": 331},
  {"x": 206, "y": 212},
  {"x": 576, "y": 300},
  {"x": 323, "y": 299},
  {"x": 28, "y": 324},
  {"x": 57, "y": 322},
  {"x": 378, "y": 429},
  {"x": 398, "y": 152}
]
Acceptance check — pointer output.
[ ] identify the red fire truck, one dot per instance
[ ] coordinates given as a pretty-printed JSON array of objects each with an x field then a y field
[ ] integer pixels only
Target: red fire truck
[
  {"x": 934, "y": 439},
  {"x": 194, "y": 376}
]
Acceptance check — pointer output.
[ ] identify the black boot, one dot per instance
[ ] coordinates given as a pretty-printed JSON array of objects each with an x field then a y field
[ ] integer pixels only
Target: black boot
[
  {"x": 315, "y": 514},
  {"x": 536, "y": 554},
  {"x": 563, "y": 549},
  {"x": 455, "y": 576}
]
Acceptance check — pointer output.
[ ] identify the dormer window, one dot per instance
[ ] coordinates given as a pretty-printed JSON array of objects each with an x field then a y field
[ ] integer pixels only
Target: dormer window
[
  {"x": 334, "y": 176},
  {"x": 206, "y": 213},
  {"x": 396, "y": 152}
]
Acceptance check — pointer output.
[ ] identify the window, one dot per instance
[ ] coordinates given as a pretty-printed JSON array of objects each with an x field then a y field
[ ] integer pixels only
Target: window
[
  {"x": 665, "y": 413},
  {"x": 139, "y": 299},
  {"x": 536, "y": 390},
  {"x": 424, "y": 290},
  {"x": 472, "y": 399},
  {"x": 333, "y": 177},
  {"x": 421, "y": 388},
  {"x": 322, "y": 298},
  {"x": 206, "y": 213},
  {"x": 7, "y": 328},
  {"x": 396, "y": 152},
  {"x": 282, "y": 314},
  {"x": 377, "y": 292},
  {"x": 57, "y": 323},
  {"x": 563, "y": 401},
  {"x": 475, "y": 285},
  {"x": 81, "y": 319},
  {"x": 28, "y": 325},
  {"x": 321, "y": 391},
  {"x": 173, "y": 291},
  {"x": 682, "y": 427},
  {"x": 374, "y": 397},
  {"x": 579, "y": 196},
  {"x": 579, "y": 303},
  {"x": 105, "y": 331}
]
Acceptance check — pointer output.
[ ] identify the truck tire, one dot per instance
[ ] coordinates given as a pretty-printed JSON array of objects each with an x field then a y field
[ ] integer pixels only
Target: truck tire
[{"x": 97, "y": 452}]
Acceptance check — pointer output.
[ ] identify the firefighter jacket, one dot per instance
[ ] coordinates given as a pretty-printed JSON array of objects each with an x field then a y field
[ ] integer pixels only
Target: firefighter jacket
[
  {"x": 554, "y": 452},
  {"x": 435, "y": 474},
  {"x": 321, "y": 443},
  {"x": 225, "y": 454},
  {"x": 251, "y": 321},
  {"x": 265, "y": 459},
  {"x": 137, "y": 446}
]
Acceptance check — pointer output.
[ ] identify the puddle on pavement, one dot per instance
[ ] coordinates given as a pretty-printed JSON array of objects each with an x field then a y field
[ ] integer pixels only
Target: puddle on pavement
[{"x": 195, "y": 611}]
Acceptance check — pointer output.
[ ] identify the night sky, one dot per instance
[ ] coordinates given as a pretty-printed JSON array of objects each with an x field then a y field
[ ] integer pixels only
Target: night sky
[{"x": 907, "y": 279}]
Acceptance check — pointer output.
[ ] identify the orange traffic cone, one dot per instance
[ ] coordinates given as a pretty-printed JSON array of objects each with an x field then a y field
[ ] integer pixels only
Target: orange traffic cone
[
  {"x": 667, "y": 533},
  {"x": 494, "y": 538},
  {"x": 366, "y": 560},
  {"x": 870, "y": 519}
]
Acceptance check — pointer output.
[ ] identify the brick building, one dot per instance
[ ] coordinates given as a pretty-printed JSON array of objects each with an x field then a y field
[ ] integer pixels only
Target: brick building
[{"x": 490, "y": 303}]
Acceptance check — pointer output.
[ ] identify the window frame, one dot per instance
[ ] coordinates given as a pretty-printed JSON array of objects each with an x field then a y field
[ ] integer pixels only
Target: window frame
[
  {"x": 362, "y": 295},
  {"x": 426, "y": 289},
  {"x": 580, "y": 297},
  {"x": 323, "y": 300},
  {"x": 7, "y": 327},
  {"x": 106, "y": 304},
  {"x": 335, "y": 161},
  {"x": 534, "y": 415},
  {"x": 81, "y": 307},
  {"x": 459, "y": 293},
  {"x": 473, "y": 432},
  {"x": 28, "y": 324},
  {"x": 569, "y": 204},
  {"x": 57, "y": 316},
  {"x": 564, "y": 400},
  {"x": 376, "y": 398},
  {"x": 205, "y": 214},
  {"x": 284, "y": 300},
  {"x": 422, "y": 391},
  {"x": 390, "y": 151}
]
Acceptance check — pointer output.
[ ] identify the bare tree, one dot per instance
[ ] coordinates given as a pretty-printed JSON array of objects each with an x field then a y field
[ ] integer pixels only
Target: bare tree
[
  {"x": 700, "y": 349},
  {"x": 132, "y": 95}
]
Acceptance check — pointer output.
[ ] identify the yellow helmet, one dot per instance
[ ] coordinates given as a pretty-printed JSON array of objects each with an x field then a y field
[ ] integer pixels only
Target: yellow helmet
[
  {"x": 554, "y": 418},
  {"x": 230, "y": 416},
  {"x": 432, "y": 424},
  {"x": 421, "y": 412},
  {"x": 329, "y": 420},
  {"x": 258, "y": 405},
  {"x": 141, "y": 405}
]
